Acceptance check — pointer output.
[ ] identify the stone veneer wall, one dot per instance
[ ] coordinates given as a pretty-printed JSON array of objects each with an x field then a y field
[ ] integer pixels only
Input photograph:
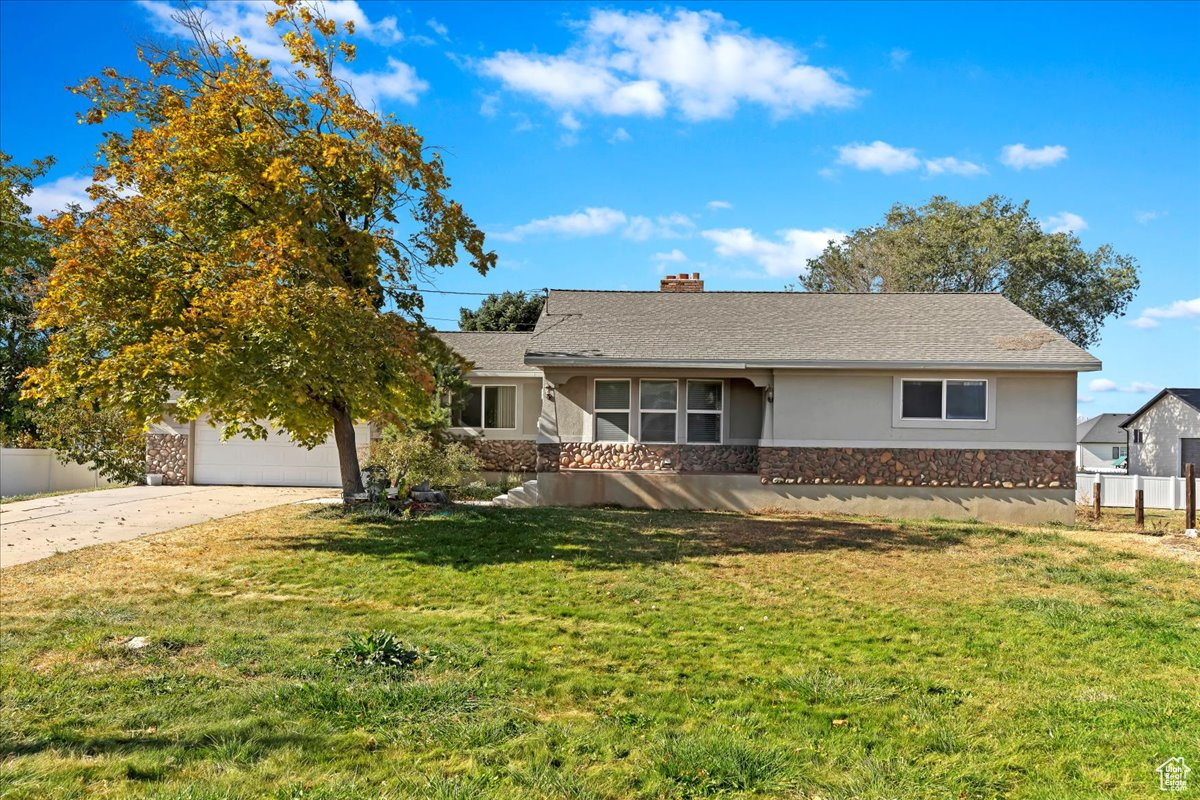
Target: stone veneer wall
[
  {"x": 504, "y": 455},
  {"x": 167, "y": 454},
  {"x": 1007, "y": 469},
  {"x": 714, "y": 458}
]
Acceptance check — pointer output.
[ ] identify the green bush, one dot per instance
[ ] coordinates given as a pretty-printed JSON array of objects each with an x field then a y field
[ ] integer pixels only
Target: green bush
[{"x": 411, "y": 457}]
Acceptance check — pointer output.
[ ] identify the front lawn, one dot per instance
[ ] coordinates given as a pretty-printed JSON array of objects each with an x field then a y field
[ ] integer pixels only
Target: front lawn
[{"x": 601, "y": 654}]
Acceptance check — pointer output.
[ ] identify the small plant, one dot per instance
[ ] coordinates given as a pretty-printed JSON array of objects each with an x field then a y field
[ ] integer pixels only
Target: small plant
[{"x": 380, "y": 649}]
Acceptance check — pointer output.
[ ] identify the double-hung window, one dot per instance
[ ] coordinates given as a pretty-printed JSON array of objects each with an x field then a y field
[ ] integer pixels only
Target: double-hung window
[
  {"x": 704, "y": 411},
  {"x": 659, "y": 406},
  {"x": 612, "y": 410},
  {"x": 944, "y": 400},
  {"x": 488, "y": 407},
  {"x": 1119, "y": 451}
]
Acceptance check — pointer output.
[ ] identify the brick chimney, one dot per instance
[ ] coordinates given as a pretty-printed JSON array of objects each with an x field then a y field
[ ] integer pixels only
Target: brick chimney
[{"x": 681, "y": 283}]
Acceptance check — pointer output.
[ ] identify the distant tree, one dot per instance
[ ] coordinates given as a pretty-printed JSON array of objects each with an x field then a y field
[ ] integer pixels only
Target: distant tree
[
  {"x": 25, "y": 262},
  {"x": 994, "y": 246},
  {"x": 108, "y": 439},
  {"x": 510, "y": 311},
  {"x": 255, "y": 245}
]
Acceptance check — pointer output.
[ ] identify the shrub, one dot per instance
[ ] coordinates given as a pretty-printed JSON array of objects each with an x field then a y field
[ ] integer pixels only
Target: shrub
[
  {"x": 380, "y": 649},
  {"x": 106, "y": 440},
  {"x": 411, "y": 457}
]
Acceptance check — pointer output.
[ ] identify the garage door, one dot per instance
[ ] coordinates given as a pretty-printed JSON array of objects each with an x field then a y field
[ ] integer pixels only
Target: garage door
[
  {"x": 1190, "y": 452},
  {"x": 275, "y": 461}
]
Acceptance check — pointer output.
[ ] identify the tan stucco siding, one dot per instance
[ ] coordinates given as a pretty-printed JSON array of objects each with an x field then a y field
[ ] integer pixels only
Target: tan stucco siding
[
  {"x": 835, "y": 409},
  {"x": 1162, "y": 426}
]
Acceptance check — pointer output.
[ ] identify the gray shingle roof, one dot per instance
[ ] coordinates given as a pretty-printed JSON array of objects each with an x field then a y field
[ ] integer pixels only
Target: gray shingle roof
[
  {"x": 1101, "y": 429},
  {"x": 797, "y": 328},
  {"x": 491, "y": 351}
]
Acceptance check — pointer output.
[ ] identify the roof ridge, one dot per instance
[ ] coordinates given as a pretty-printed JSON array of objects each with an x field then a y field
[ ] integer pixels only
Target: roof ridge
[{"x": 770, "y": 291}]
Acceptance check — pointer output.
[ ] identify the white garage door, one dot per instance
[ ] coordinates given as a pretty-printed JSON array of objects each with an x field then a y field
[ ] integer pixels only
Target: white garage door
[{"x": 275, "y": 461}]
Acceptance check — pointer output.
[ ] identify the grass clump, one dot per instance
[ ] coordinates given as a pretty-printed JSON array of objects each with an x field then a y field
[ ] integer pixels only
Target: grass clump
[{"x": 380, "y": 649}]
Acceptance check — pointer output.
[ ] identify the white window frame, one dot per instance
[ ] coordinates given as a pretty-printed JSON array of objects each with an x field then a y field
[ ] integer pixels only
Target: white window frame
[
  {"x": 483, "y": 387},
  {"x": 628, "y": 410},
  {"x": 901, "y": 421},
  {"x": 719, "y": 412},
  {"x": 673, "y": 412}
]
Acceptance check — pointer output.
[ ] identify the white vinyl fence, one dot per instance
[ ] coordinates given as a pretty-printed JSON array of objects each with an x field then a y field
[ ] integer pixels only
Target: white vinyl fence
[
  {"x": 26, "y": 471},
  {"x": 1117, "y": 490}
]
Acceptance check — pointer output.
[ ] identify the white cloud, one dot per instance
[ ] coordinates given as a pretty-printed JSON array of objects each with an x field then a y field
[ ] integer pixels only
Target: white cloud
[
  {"x": 889, "y": 159},
  {"x": 1145, "y": 217},
  {"x": 785, "y": 258},
  {"x": 674, "y": 256},
  {"x": 569, "y": 121},
  {"x": 1065, "y": 222},
  {"x": 437, "y": 27},
  {"x": 1018, "y": 156},
  {"x": 899, "y": 57},
  {"x": 489, "y": 105},
  {"x": 1180, "y": 309},
  {"x": 1083, "y": 398},
  {"x": 52, "y": 196},
  {"x": 1135, "y": 387},
  {"x": 599, "y": 222},
  {"x": 246, "y": 19},
  {"x": 879, "y": 156},
  {"x": 719, "y": 205},
  {"x": 697, "y": 63},
  {"x": 953, "y": 166},
  {"x": 619, "y": 135}
]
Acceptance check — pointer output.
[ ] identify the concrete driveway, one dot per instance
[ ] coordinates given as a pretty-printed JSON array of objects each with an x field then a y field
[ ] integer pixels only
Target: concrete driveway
[{"x": 33, "y": 529}]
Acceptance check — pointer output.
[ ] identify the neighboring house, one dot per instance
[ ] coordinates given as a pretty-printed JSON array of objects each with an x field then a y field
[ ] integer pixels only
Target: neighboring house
[
  {"x": 899, "y": 404},
  {"x": 1101, "y": 444},
  {"x": 1164, "y": 434}
]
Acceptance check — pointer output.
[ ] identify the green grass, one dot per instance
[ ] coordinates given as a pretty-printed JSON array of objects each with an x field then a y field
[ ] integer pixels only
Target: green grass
[{"x": 601, "y": 654}]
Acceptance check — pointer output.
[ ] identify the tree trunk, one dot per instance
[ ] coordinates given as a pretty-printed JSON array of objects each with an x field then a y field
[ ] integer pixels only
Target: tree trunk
[{"x": 343, "y": 436}]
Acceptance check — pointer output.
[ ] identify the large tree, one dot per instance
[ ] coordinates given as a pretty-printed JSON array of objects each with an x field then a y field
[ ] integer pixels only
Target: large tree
[
  {"x": 993, "y": 246},
  {"x": 255, "y": 244},
  {"x": 24, "y": 264},
  {"x": 509, "y": 311}
]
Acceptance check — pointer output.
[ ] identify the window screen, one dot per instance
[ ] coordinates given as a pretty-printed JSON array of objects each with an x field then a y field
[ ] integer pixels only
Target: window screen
[
  {"x": 966, "y": 400},
  {"x": 612, "y": 411},
  {"x": 470, "y": 414},
  {"x": 612, "y": 394},
  {"x": 500, "y": 407},
  {"x": 659, "y": 402},
  {"x": 704, "y": 412},
  {"x": 922, "y": 400}
]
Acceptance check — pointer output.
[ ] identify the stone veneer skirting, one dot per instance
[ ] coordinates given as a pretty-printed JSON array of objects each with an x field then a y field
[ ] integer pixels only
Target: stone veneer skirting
[
  {"x": 167, "y": 454},
  {"x": 1006, "y": 469},
  {"x": 706, "y": 458},
  {"x": 504, "y": 455},
  {"x": 1000, "y": 469}
]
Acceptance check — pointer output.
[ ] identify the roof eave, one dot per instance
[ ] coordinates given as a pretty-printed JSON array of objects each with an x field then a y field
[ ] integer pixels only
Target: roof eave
[{"x": 535, "y": 359}]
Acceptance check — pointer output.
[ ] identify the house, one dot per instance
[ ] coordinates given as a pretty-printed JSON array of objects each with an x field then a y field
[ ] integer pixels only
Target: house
[
  {"x": 1164, "y": 434},
  {"x": 920, "y": 404},
  {"x": 1101, "y": 444}
]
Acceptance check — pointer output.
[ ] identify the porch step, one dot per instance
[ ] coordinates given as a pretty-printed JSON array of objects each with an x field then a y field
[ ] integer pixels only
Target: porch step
[{"x": 522, "y": 496}]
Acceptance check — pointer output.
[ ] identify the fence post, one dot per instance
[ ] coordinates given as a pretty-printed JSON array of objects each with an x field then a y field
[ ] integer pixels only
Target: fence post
[
  {"x": 1096, "y": 498},
  {"x": 1139, "y": 508},
  {"x": 1189, "y": 475}
]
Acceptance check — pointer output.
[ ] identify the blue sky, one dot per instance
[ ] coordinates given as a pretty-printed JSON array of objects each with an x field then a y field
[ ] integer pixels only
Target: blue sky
[{"x": 603, "y": 146}]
